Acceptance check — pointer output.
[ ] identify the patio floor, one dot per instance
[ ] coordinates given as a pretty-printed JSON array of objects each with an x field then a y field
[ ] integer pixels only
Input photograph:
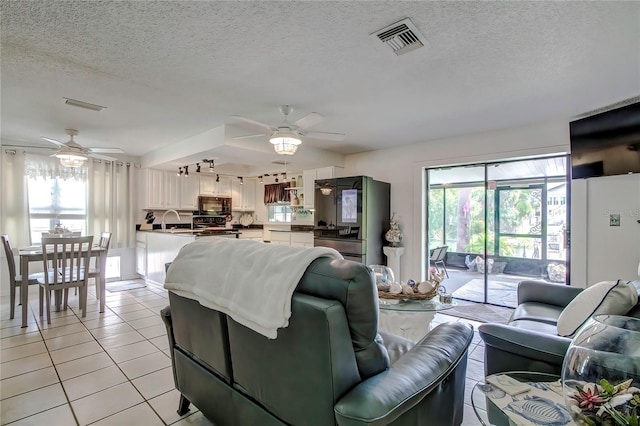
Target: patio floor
[{"x": 469, "y": 285}]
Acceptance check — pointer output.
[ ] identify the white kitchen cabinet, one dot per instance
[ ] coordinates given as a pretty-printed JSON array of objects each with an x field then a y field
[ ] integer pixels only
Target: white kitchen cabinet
[
  {"x": 162, "y": 248},
  {"x": 301, "y": 239},
  {"x": 152, "y": 189},
  {"x": 281, "y": 237},
  {"x": 173, "y": 186},
  {"x": 243, "y": 196},
  {"x": 223, "y": 186},
  {"x": 251, "y": 234},
  {"x": 141, "y": 254},
  {"x": 308, "y": 185},
  {"x": 328, "y": 172},
  {"x": 190, "y": 189},
  {"x": 207, "y": 184}
]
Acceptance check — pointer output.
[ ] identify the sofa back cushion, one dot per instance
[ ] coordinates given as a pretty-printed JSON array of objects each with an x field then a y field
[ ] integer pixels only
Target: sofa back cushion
[
  {"x": 201, "y": 332},
  {"x": 605, "y": 297},
  {"x": 353, "y": 285},
  {"x": 299, "y": 376}
]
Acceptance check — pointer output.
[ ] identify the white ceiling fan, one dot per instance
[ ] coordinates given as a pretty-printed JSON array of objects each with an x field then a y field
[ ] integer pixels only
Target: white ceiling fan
[
  {"x": 286, "y": 136},
  {"x": 72, "y": 154}
]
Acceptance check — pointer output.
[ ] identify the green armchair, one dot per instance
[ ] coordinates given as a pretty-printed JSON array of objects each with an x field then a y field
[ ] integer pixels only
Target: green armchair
[{"x": 329, "y": 366}]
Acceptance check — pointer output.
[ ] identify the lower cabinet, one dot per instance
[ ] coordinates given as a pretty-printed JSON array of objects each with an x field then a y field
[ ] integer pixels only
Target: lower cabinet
[
  {"x": 251, "y": 234},
  {"x": 161, "y": 249},
  {"x": 288, "y": 238}
]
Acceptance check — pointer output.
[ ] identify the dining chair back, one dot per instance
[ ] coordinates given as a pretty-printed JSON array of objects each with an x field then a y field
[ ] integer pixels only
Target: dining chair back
[
  {"x": 15, "y": 280},
  {"x": 65, "y": 260},
  {"x": 94, "y": 270}
]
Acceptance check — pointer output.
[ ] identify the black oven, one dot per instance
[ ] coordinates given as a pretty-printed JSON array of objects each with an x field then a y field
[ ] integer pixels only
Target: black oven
[
  {"x": 214, "y": 206},
  {"x": 210, "y": 221}
]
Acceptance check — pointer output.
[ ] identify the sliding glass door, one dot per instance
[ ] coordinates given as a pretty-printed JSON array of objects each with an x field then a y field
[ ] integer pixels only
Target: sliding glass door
[{"x": 502, "y": 222}]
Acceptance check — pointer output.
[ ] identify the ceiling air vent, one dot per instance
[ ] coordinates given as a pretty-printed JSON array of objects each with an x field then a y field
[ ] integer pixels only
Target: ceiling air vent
[{"x": 402, "y": 37}]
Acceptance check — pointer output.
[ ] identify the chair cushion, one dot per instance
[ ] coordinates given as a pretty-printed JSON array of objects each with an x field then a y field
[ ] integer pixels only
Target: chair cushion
[
  {"x": 540, "y": 327},
  {"x": 537, "y": 311},
  {"x": 605, "y": 297}
]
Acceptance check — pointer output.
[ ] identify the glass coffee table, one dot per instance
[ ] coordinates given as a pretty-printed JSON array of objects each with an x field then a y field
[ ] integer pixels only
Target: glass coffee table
[
  {"x": 542, "y": 404},
  {"x": 408, "y": 317}
]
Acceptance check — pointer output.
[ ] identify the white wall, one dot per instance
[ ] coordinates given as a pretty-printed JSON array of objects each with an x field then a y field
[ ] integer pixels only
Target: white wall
[
  {"x": 403, "y": 168},
  {"x": 601, "y": 251}
]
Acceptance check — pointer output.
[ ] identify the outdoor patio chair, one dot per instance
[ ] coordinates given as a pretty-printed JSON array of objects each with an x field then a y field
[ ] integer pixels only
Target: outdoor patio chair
[{"x": 437, "y": 258}]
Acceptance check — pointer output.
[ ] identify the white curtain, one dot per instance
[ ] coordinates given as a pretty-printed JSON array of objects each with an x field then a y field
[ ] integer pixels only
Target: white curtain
[
  {"x": 14, "y": 212},
  {"x": 110, "y": 198}
]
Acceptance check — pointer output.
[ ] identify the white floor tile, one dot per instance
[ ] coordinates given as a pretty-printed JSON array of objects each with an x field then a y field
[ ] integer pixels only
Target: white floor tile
[
  {"x": 135, "y": 350},
  {"x": 30, "y": 403},
  {"x": 106, "y": 403},
  {"x": 24, "y": 365},
  {"x": 91, "y": 383},
  {"x": 22, "y": 351},
  {"x": 118, "y": 340},
  {"x": 69, "y": 340},
  {"x": 153, "y": 331},
  {"x": 50, "y": 333},
  {"x": 141, "y": 414},
  {"x": 156, "y": 383},
  {"x": 166, "y": 405},
  {"x": 59, "y": 416},
  {"x": 85, "y": 365},
  {"x": 74, "y": 352},
  {"x": 21, "y": 339},
  {"x": 145, "y": 365},
  {"x": 27, "y": 382},
  {"x": 111, "y": 330}
]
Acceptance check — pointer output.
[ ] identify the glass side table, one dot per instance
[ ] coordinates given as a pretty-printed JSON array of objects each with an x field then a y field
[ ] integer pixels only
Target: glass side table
[
  {"x": 526, "y": 405},
  {"x": 409, "y": 318}
]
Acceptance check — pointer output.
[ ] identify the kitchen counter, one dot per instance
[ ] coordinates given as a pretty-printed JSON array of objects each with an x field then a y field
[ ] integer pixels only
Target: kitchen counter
[{"x": 195, "y": 232}]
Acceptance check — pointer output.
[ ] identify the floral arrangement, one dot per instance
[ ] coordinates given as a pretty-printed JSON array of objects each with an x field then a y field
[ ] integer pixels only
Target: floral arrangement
[{"x": 605, "y": 404}]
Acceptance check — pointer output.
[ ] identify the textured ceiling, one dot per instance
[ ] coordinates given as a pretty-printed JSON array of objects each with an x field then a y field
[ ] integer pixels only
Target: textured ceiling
[{"x": 170, "y": 70}]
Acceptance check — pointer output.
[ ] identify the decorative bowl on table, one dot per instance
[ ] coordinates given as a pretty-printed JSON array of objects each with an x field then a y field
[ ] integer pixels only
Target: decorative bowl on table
[{"x": 601, "y": 372}]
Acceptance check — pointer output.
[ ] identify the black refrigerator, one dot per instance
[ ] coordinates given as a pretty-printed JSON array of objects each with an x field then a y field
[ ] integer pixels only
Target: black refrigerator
[{"x": 352, "y": 216}]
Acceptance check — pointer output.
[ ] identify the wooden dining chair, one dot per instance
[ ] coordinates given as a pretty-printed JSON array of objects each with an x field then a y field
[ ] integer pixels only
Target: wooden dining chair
[
  {"x": 94, "y": 271},
  {"x": 15, "y": 280},
  {"x": 65, "y": 260}
]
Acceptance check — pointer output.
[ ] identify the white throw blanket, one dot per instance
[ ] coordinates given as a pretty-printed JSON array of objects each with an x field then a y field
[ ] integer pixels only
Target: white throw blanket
[{"x": 251, "y": 281}]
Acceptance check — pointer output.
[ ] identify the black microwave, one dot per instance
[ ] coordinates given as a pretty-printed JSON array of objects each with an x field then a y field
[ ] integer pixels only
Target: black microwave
[{"x": 214, "y": 206}]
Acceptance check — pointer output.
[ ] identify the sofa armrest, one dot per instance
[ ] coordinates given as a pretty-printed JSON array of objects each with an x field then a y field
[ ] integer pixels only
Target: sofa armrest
[
  {"x": 510, "y": 348},
  {"x": 383, "y": 398},
  {"x": 551, "y": 294}
]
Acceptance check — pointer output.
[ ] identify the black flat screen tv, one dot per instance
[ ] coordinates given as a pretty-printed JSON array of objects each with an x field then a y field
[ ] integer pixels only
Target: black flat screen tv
[{"x": 606, "y": 144}]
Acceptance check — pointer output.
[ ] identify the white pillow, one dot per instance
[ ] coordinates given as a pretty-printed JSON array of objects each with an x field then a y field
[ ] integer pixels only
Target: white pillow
[{"x": 605, "y": 297}]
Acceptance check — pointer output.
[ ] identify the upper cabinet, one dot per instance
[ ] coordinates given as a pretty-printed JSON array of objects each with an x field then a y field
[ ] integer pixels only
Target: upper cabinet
[
  {"x": 190, "y": 190},
  {"x": 214, "y": 184},
  {"x": 243, "y": 196},
  {"x": 309, "y": 182},
  {"x": 159, "y": 189}
]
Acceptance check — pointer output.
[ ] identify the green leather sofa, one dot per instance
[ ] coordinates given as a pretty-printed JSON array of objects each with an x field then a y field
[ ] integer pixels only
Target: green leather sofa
[{"x": 329, "y": 366}]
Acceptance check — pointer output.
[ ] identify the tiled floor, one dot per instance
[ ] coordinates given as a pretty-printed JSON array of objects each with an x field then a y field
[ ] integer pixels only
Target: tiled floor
[{"x": 111, "y": 368}]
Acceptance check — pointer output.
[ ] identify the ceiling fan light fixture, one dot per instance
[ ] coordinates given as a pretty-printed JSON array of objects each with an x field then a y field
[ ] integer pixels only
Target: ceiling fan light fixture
[
  {"x": 285, "y": 142},
  {"x": 70, "y": 158}
]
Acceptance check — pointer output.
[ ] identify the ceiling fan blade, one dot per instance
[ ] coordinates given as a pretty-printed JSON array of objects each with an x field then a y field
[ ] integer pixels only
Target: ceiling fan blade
[
  {"x": 53, "y": 141},
  {"x": 106, "y": 150},
  {"x": 325, "y": 135},
  {"x": 249, "y": 136},
  {"x": 254, "y": 122},
  {"x": 102, "y": 157},
  {"x": 309, "y": 120}
]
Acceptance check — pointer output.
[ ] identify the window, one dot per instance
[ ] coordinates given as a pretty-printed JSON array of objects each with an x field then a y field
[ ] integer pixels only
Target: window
[
  {"x": 55, "y": 201},
  {"x": 279, "y": 213}
]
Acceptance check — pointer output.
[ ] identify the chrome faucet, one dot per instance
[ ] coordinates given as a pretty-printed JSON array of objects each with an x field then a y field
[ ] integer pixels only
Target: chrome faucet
[{"x": 163, "y": 226}]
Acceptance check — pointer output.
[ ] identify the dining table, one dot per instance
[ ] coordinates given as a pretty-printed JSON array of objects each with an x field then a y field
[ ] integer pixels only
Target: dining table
[{"x": 34, "y": 254}]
